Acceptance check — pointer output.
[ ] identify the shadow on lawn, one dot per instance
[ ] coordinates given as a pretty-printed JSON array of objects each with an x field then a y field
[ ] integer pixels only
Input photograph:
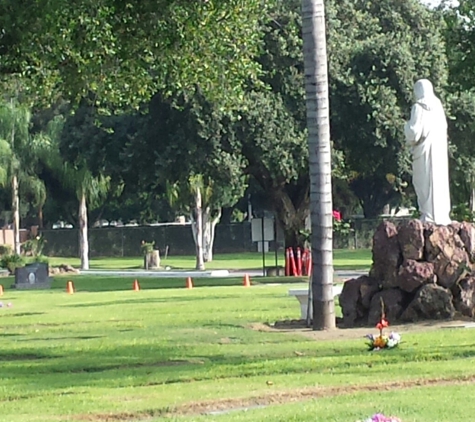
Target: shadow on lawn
[
  {"x": 168, "y": 299},
  {"x": 9, "y": 357},
  {"x": 61, "y": 338},
  {"x": 21, "y": 314}
]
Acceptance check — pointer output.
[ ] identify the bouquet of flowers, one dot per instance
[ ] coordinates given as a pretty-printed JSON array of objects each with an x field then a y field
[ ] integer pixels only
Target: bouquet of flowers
[
  {"x": 379, "y": 417},
  {"x": 382, "y": 341}
]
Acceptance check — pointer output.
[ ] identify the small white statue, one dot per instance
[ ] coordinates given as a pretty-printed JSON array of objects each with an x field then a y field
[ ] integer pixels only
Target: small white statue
[{"x": 426, "y": 133}]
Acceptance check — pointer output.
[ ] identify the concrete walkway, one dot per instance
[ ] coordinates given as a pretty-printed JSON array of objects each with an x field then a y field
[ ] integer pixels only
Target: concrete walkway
[
  {"x": 343, "y": 275},
  {"x": 158, "y": 273}
]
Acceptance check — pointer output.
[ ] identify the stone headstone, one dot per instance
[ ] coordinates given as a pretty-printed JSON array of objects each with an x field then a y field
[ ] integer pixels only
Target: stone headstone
[
  {"x": 32, "y": 276},
  {"x": 152, "y": 260}
]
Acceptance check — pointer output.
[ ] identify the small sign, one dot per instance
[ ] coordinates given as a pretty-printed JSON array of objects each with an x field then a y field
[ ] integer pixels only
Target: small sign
[{"x": 262, "y": 229}]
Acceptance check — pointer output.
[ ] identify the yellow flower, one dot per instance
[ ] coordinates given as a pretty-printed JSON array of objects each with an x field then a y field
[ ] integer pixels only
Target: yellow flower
[{"x": 379, "y": 342}]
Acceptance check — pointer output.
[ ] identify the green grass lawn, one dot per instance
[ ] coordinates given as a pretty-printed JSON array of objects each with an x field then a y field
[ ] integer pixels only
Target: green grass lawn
[
  {"x": 107, "y": 353},
  {"x": 343, "y": 259}
]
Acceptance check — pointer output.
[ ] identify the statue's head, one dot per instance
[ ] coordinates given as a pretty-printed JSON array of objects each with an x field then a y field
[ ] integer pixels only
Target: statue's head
[{"x": 423, "y": 88}]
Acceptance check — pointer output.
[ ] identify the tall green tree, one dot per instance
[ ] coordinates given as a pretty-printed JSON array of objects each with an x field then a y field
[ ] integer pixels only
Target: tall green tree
[
  {"x": 18, "y": 160},
  {"x": 460, "y": 43},
  {"x": 78, "y": 179},
  {"x": 318, "y": 123},
  {"x": 96, "y": 49}
]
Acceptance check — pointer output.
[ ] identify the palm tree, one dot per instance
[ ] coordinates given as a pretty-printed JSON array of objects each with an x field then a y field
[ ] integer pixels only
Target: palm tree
[
  {"x": 318, "y": 123},
  {"x": 18, "y": 160},
  {"x": 89, "y": 189}
]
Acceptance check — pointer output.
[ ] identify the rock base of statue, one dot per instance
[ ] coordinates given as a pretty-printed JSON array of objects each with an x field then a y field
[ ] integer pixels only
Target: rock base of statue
[{"x": 420, "y": 272}]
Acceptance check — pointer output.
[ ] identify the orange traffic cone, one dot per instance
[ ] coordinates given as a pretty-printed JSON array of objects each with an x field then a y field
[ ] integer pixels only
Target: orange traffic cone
[
  {"x": 1, "y": 290},
  {"x": 136, "y": 286},
  {"x": 70, "y": 287},
  {"x": 246, "y": 281},
  {"x": 189, "y": 283}
]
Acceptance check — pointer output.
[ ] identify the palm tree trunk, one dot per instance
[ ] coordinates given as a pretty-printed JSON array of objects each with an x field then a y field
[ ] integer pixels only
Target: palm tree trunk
[
  {"x": 83, "y": 239},
  {"x": 16, "y": 215},
  {"x": 318, "y": 123},
  {"x": 40, "y": 216},
  {"x": 199, "y": 230}
]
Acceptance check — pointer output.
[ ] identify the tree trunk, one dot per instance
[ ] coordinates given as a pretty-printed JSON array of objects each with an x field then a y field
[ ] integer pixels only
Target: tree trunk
[
  {"x": 209, "y": 225},
  {"x": 83, "y": 237},
  {"x": 291, "y": 210},
  {"x": 198, "y": 230},
  {"x": 16, "y": 215},
  {"x": 318, "y": 123},
  {"x": 292, "y": 224},
  {"x": 472, "y": 200},
  {"x": 40, "y": 217}
]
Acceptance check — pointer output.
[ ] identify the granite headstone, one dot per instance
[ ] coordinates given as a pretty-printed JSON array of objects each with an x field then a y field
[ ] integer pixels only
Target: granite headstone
[{"x": 32, "y": 276}]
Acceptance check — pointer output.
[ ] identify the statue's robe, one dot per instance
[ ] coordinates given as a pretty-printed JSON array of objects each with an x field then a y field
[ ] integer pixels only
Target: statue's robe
[{"x": 426, "y": 133}]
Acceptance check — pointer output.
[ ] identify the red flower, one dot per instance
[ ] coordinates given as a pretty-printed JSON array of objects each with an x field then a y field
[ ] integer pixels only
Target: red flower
[
  {"x": 336, "y": 215},
  {"x": 382, "y": 324}
]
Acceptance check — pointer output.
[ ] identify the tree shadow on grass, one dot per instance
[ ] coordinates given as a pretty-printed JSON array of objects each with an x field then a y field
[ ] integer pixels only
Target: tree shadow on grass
[
  {"x": 21, "y": 314},
  {"x": 170, "y": 299},
  {"x": 18, "y": 356},
  {"x": 61, "y": 338}
]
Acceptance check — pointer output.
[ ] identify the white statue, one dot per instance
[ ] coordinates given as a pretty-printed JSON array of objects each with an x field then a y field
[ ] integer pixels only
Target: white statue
[{"x": 426, "y": 133}]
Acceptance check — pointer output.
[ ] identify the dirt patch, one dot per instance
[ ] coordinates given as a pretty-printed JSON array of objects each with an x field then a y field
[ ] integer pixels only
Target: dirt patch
[
  {"x": 272, "y": 398},
  {"x": 299, "y": 327}
]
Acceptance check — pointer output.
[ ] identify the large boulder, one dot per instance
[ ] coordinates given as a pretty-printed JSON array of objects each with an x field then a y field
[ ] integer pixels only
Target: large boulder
[
  {"x": 446, "y": 250},
  {"x": 369, "y": 286},
  {"x": 393, "y": 300},
  {"x": 410, "y": 235},
  {"x": 430, "y": 302},
  {"x": 386, "y": 255},
  {"x": 464, "y": 296},
  {"x": 467, "y": 236},
  {"x": 420, "y": 271},
  {"x": 350, "y": 302},
  {"x": 413, "y": 274}
]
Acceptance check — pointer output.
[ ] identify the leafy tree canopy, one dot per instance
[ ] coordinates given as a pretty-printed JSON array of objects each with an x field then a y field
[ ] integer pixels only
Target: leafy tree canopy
[{"x": 119, "y": 53}]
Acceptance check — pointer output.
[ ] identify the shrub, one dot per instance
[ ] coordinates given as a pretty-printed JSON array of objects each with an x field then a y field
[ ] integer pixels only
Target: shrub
[
  {"x": 39, "y": 258},
  {"x": 11, "y": 262},
  {"x": 5, "y": 250},
  {"x": 33, "y": 247},
  {"x": 147, "y": 247}
]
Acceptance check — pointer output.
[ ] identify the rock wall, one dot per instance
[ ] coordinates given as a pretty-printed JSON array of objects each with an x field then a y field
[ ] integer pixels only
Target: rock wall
[{"x": 421, "y": 271}]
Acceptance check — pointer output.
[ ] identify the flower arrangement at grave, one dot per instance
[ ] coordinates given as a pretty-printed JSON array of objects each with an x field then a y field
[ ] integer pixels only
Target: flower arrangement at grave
[
  {"x": 379, "y": 417},
  {"x": 383, "y": 341}
]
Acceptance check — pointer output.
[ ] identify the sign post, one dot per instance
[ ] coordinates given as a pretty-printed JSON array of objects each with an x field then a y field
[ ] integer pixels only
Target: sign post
[{"x": 262, "y": 230}]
